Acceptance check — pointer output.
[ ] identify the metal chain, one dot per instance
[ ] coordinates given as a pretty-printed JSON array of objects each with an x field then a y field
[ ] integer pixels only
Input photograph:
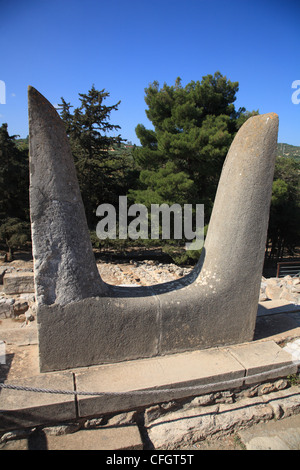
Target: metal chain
[{"x": 143, "y": 392}]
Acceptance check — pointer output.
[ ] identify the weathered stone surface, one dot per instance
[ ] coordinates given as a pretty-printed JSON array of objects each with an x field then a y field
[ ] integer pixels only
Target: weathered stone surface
[
  {"x": 262, "y": 357},
  {"x": 237, "y": 415},
  {"x": 122, "y": 419},
  {"x": 6, "y": 307},
  {"x": 155, "y": 379},
  {"x": 267, "y": 443},
  {"x": 61, "y": 429},
  {"x": 83, "y": 321},
  {"x": 173, "y": 429},
  {"x": 288, "y": 400},
  {"x": 97, "y": 331},
  {"x": 185, "y": 425},
  {"x": 25, "y": 409},
  {"x": 19, "y": 282},
  {"x": 220, "y": 306},
  {"x": 181, "y": 419},
  {"x": 65, "y": 267},
  {"x": 25, "y": 333},
  {"x": 275, "y": 307},
  {"x": 286, "y": 288},
  {"x": 273, "y": 292},
  {"x": 274, "y": 435},
  {"x": 176, "y": 376},
  {"x": 194, "y": 422}
]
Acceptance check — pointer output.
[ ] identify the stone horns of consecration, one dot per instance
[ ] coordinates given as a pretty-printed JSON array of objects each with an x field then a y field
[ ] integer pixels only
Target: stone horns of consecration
[
  {"x": 228, "y": 274},
  {"x": 215, "y": 305},
  {"x": 64, "y": 263}
]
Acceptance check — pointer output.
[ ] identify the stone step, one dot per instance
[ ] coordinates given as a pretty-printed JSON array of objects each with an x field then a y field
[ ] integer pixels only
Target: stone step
[
  {"x": 196, "y": 423},
  {"x": 139, "y": 383},
  {"x": 105, "y": 438}
]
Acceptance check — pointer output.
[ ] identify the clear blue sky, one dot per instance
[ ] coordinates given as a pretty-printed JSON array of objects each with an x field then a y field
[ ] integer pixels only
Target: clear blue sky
[{"x": 62, "y": 47}]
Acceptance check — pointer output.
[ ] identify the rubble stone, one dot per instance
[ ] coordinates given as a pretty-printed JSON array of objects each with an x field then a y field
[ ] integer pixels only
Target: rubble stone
[
  {"x": 6, "y": 307},
  {"x": 286, "y": 288},
  {"x": 20, "y": 307}
]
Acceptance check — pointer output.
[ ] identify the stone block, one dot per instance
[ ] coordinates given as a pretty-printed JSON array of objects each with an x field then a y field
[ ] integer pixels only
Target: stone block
[
  {"x": 191, "y": 425},
  {"x": 155, "y": 380},
  {"x": 188, "y": 324},
  {"x": 263, "y": 357},
  {"x": 97, "y": 331},
  {"x": 6, "y": 307},
  {"x": 283, "y": 434},
  {"x": 288, "y": 400},
  {"x": 17, "y": 283},
  {"x": 273, "y": 292},
  {"x": 21, "y": 409}
]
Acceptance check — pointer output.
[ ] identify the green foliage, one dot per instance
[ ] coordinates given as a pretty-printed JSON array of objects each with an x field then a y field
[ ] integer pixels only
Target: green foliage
[
  {"x": 103, "y": 171},
  {"x": 287, "y": 150},
  {"x": 181, "y": 256},
  {"x": 162, "y": 186},
  {"x": 14, "y": 192},
  {"x": 284, "y": 224},
  {"x": 294, "y": 379},
  {"x": 179, "y": 161},
  {"x": 14, "y": 233},
  {"x": 193, "y": 129},
  {"x": 14, "y": 177},
  {"x": 280, "y": 190},
  {"x": 182, "y": 157}
]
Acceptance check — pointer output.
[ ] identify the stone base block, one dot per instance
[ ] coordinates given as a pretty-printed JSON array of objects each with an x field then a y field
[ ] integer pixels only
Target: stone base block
[{"x": 138, "y": 323}]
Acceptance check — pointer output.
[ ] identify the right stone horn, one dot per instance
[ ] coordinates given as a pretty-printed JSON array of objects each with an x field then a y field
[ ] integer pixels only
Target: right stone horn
[{"x": 220, "y": 306}]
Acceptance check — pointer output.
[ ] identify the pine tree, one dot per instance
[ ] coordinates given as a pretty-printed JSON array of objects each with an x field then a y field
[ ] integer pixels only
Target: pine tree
[
  {"x": 101, "y": 171},
  {"x": 14, "y": 193},
  {"x": 193, "y": 128},
  {"x": 284, "y": 224},
  {"x": 14, "y": 177}
]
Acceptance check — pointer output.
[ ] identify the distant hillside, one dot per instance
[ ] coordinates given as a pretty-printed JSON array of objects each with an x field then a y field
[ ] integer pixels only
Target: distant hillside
[
  {"x": 22, "y": 142},
  {"x": 288, "y": 150}
]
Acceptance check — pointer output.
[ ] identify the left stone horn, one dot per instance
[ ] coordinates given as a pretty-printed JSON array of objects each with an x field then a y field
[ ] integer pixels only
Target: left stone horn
[{"x": 64, "y": 263}]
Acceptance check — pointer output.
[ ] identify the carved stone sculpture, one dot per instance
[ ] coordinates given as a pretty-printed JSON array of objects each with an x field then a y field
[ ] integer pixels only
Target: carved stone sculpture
[{"x": 84, "y": 321}]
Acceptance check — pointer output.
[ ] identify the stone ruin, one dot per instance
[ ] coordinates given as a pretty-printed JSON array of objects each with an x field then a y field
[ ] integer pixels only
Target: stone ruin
[{"x": 84, "y": 321}]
